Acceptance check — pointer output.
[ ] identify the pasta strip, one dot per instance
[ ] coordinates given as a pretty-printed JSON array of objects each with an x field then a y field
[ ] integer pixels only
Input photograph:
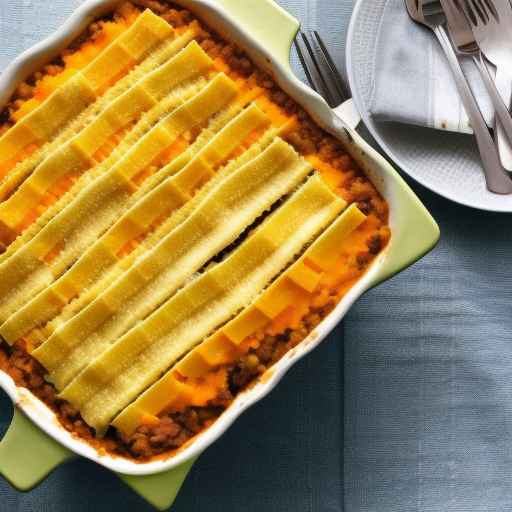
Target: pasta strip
[
  {"x": 134, "y": 224},
  {"x": 73, "y": 96},
  {"x": 64, "y": 238},
  {"x": 221, "y": 347},
  {"x": 130, "y": 47},
  {"x": 137, "y": 360},
  {"x": 216, "y": 223}
]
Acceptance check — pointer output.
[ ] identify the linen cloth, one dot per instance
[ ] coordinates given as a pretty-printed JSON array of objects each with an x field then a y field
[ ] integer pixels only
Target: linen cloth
[
  {"x": 405, "y": 408},
  {"x": 412, "y": 82}
]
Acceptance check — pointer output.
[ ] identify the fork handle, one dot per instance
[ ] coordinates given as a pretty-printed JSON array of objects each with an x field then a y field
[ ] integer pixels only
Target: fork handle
[
  {"x": 504, "y": 86},
  {"x": 348, "y": 113},
  {"x": 495, "y": 177},
  {"x": 502, "y": 112}
]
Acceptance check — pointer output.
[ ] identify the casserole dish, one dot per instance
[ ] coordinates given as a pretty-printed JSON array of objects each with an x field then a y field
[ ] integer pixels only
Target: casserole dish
[{"x": 414, "y": 233}]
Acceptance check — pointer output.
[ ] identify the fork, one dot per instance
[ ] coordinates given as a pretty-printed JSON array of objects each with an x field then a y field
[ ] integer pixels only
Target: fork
[
  {"x": 431, "y": 15},
  {"x": 491, "y": 23},
  {"x": 463, "y": 37},
  {"x": 324, "y": 77}
]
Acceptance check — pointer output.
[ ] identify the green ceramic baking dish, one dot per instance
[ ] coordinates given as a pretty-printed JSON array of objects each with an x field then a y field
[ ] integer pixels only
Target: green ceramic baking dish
[{"x": 35, "y": 443}]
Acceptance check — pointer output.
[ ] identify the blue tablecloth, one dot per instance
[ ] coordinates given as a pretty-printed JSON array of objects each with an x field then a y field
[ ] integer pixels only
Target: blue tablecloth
[{"x": 407, "y": 407}]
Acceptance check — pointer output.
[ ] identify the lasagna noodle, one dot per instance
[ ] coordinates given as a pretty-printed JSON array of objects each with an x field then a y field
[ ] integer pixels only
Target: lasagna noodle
[
  {"x": 129, "y": 48},
  {"x": 148, "y": 120},
  {"x": 164, "y": 52},
  {"x": 96, "y": 208},
  {"x": 71, "y": 98},
  {"x": 216, "y": 124},
  {"x": 135, "y": 224},
  {"x": 222, "y": 347},
  {"x": 216, "y": 223},
  {"x": 78, "y": 154},
  {"x": 172, "y": 193},
  {"x": 137, "y": 360},
  {"x": 38, "y": 336}
]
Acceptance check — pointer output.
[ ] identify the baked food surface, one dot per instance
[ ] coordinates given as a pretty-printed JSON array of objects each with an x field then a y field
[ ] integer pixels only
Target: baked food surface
[{"x": 171, "y": 225}]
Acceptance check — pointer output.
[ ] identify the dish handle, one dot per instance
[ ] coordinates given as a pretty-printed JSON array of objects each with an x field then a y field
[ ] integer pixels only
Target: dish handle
[
  {"x": 268, "y": 23},
  {"x": 159, "y": 489},
  {"x": 27, "y": 454}
]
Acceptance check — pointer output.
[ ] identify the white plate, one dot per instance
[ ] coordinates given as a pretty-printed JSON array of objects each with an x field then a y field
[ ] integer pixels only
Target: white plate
[{"x": 444, "y": 162}]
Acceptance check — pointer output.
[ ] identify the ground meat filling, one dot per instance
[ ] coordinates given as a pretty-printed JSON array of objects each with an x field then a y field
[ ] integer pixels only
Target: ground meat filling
[{"x": 176, "y": 428}]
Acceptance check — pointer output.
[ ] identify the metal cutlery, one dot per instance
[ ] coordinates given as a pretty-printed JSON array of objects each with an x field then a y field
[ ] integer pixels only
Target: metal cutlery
[
  {"x": 431, "y": 15},
  {"x": 491, "y": 23},
  {"x": 324, "y": 77},
  {"x": 460, "y": 27}
]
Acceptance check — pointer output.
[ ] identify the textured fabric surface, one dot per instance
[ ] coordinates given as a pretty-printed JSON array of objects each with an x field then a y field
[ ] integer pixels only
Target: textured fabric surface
[
  {"x": 428, "y": 366},
  {"x": 425, "y": 389}
]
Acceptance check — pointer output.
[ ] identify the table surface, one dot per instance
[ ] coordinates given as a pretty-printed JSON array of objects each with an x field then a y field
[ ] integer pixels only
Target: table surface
[{"x": 406, "y": 407}]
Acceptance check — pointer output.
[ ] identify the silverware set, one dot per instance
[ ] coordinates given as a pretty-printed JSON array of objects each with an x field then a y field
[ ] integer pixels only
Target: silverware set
[{"x": 479, "y": 30}]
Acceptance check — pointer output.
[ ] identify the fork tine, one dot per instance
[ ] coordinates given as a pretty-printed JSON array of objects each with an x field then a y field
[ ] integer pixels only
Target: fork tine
[
  {"x": 322, "y": 85},
  {"x": 485, "y": 9},
  {"x": 482, "y": 14},
  {"x": 470, "y": 13},
  {"x": 309, "y": 66},
  {"x": 492, "y": 9},
  {"x": 484, "y": 6},
  {"x": 338, "y": 81},
  {"x": 305, "y": 66}
]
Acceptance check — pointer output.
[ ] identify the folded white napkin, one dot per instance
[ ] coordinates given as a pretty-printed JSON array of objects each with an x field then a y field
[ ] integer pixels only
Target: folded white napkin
[{"x": 412, "y": 82}]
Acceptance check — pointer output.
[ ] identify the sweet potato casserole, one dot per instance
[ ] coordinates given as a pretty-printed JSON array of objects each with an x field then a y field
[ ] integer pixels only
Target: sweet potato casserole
[{"x": 171, "y": 225}]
